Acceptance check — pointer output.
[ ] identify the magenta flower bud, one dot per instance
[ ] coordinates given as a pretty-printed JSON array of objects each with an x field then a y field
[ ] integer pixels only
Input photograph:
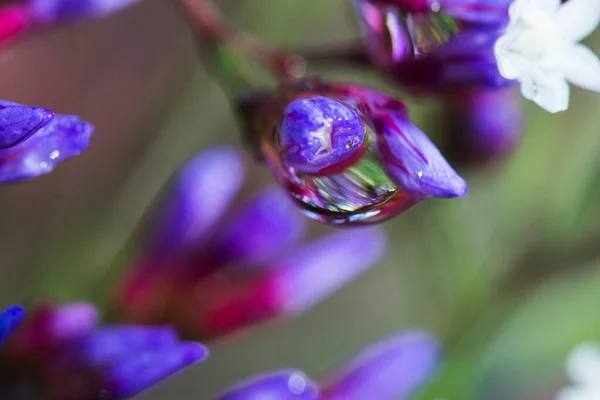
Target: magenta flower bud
[
  {"x": 33, "y": 140},
  {"x": 48, "y": 326},
  {"x": 195, "y": 201},
  {"x": 10, "y": 319},
  {"x": 485, "y": 125},
  {"x": 49, "y": 11},
  {"x": 392, "y": 369},
  {"x": 368, "y": 166},
  {"x": 14, "y": 20},
  {"x": 435, "y": 46},
  {"x": 319, "y": 132},
  {"x": 280, "y": 385}
]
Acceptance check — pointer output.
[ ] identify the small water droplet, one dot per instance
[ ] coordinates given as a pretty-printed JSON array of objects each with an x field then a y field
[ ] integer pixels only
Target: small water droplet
[
  {"x": 54, "y": 154},
  {"x": 297, "y": 384}
]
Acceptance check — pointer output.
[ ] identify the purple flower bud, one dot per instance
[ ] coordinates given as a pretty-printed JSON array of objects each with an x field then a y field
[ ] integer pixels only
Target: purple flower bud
[
  {"x": 197, "y": 199},
  {"x": 280, "y": 385},
  {"x": 138, "y": 372},
  {"x": 315, "y": 271},
  {"x": 18, "y": 122},
  {"x": 34, "y": 141},
  {"x": 435, "y": 46},
  {"x": 415, "y": 163},
  {"x": 74, "y": 360},
  {"x": 319, "y": 132},
  {"x": 391, "y": 369},
  {"x": 48, "y": 11},
  {"x": 264, "y": 227},
  {"x": 485, "y": 125},
  {"x": 10, "y": 319},
  {"x": 346, "y": 186},
  {"x": 48, "y": 326}
]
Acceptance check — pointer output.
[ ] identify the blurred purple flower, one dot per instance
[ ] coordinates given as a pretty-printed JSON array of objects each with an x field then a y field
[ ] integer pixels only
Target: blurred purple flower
[
  {"x": 484, "y": 125},
  {"x": 61, "y": 354},
  {"x": 250, "y": 269},
  {"x": 33, "y": 140},
  {"x": 392, "y": 369},
  {"x": 347, "y": 154},
  {"x": 50, "y": 11},
  {"x": 10, "y": 319},
  {"x": 429, "y": 46},
  {"x": 280, "y": 385}
]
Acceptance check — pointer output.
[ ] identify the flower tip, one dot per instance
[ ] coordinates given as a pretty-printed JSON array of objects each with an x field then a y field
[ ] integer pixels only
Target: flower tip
[
  {"x": 10, "y": 319},
  {"x": 286, "y": 384}
]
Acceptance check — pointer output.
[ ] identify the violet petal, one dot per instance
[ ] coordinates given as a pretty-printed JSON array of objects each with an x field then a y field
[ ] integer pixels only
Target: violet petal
[
  {"x": 63, "y": 137},
  {"x": 320, "y": 268},
  {"x": 113, "y": 343},
  {"x": 391, "y": 369},
  {"x": 280, "y": 385},
  {"x": 49, "y": 11},
  {"x": 10, "y": 319},
  {"x": 267, "y": 224},
  {"x": 141, "y": 371},
  {"x": 200, "y": 194},
  {"x": 413, "y": 162},
  {"x": 18, "y": 122}
]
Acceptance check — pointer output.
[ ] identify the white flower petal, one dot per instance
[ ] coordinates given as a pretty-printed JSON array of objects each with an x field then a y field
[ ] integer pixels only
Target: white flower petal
[
  {"x": 582, "y": 68},
  {"x": 582, "y": 393},
  {"x": 549, "y": 91},
  {"x": 583, "y": 365},
  {"x": 520, "y": 7},
  {"x": 576, "y": 19}
]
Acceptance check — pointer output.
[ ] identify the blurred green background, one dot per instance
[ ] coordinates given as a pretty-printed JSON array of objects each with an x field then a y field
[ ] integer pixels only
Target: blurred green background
[{"x": 509, "y": 277}]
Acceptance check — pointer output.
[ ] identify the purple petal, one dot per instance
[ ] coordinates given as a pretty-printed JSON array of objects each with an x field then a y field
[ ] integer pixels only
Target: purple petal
[
  {"x": 474, "y": 11},
  {"x": 319, "y": 269},
  {"x": 202, "y": 191},
  {"x": 413, "y": 162},
  {"x": 18, "y": 122},
  {"x": 392, "y": 369},
  {"x": 319, "y": 132},
  {"x": 113, "y": 343},
  {"x": 263, "y": 227},
  {"x": 59, "y": 10},
  {"x": 10, "y": 319},
  {"x": 281, "y": 385},
  {"x": 63, "y": 137},
  {"x": 71, "y": 320},
  {"x": 139, "y": 372}
]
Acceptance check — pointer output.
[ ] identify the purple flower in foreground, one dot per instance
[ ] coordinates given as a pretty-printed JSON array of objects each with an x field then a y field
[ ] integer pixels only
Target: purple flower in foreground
[
  {"x": 346, "y": 154},
  {"x": 48, "y": 11},
  {"x": 280, "y": 385},
  {"x": 484, "y": 125},
  {"x": 60, "y": 353},
  {"x": 250, "y": 270},
  {"x": 33, "y": 140},
  {"x": 430, "y": 47},
  {"x": 10, "y": 319},
  {"x": 391, "y": 369}
]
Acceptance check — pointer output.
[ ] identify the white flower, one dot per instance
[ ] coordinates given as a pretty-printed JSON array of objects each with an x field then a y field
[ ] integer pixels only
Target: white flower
[
  {"x": 540, "y": 49},
  {"x": 583, "y": 367}
]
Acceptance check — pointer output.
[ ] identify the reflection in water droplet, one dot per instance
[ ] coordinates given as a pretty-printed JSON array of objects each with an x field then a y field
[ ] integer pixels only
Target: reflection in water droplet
[
  {"x": 297, "y": 384},
  {"x": 54, "y": 154}
]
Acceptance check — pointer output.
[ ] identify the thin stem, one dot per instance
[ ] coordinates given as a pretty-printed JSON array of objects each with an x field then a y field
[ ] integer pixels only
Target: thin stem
[{"x": 211, "y": 28}]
